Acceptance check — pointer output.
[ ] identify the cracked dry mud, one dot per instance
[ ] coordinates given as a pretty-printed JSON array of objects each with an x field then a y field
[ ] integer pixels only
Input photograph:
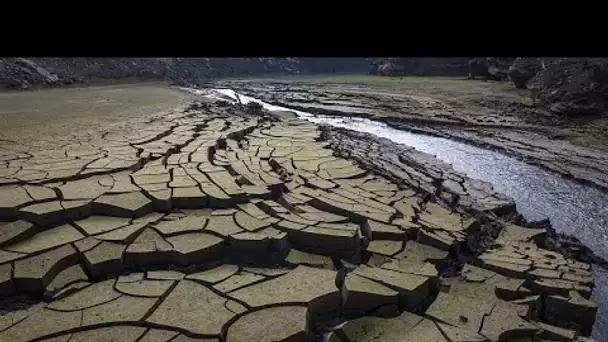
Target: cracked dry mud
[
  {"x": 488, "y": 116},
  {"x": 203, "y": 226}
]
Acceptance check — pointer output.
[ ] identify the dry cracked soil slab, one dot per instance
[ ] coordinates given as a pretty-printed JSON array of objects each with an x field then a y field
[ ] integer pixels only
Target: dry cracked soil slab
[{"x": 207, "y": 223}]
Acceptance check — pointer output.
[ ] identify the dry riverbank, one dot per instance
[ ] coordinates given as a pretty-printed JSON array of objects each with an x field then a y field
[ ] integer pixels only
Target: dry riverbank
[{"x": 487, "y": 114}]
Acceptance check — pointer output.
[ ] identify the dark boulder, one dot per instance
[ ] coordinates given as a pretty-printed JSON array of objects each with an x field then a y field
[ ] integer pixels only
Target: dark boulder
[
  {"x": 423, "y": 66},
  {"x": 524, "y": 69},
  {"x": 391, "y": 67},
  {"x": 492, "y": 68},
  {"x": 573, "y": 86},
  {"x": 497, "y": 67},
  {"x": 478, "y": 67}
]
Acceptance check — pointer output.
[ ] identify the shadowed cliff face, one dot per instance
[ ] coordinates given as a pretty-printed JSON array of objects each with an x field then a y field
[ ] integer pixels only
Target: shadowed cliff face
[
  {"x": 22, "y": 73},
  {"x": 421, "y": 66}
]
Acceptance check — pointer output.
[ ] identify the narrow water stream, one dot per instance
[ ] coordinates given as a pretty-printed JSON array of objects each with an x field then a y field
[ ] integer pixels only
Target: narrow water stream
[{"x": 573, "y": 208}]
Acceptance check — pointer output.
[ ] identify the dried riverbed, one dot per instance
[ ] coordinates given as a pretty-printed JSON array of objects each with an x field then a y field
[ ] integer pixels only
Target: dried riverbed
[
  {"x": 221, "y": 222},
  {"x": 572, "y": 207}
]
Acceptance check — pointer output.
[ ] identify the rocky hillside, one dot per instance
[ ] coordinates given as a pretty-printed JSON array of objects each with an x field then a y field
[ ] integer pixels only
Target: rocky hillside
[
  {"x": 24, "y": 73},
  {"x": 420, "y": 66},
  {"x": 565, "y": 86}
]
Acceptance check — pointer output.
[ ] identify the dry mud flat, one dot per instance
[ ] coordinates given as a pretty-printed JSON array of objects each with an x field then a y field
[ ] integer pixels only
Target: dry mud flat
[
  {"x": 482, "y": 114},
  {"x": 206, "y": 224}
]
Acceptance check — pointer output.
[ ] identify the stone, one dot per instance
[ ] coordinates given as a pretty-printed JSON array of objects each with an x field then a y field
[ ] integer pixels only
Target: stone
[
  {"x": 195, "y": 248},
  {"x": 214, "y": 275},
  {"x": 204, "y": 316},
  {"x": 524, "y": 69},
  {"x": 132, "y": 204},
  {"x": 100, "y": 224},
  {"x": 35, "y": 273},
  {"x": 282, "y": 323},
  {"x": 303, "y": 284},
  {"x": 16, "y": 231},
  {"x": 104, "y": 260}
]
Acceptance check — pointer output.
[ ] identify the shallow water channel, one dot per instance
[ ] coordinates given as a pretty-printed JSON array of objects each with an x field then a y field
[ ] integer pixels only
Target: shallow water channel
[{"x": 573, "y": 208}]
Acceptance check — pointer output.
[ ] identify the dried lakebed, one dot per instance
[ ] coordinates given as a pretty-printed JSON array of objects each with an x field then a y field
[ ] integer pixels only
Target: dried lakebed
[
  {"x": 573, "y": 208},
  {"x": 209, "y": 224}
]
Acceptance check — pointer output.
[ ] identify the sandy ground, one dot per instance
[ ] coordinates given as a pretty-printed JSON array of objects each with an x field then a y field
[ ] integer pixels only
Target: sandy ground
[{"x": 27, "y": 115}]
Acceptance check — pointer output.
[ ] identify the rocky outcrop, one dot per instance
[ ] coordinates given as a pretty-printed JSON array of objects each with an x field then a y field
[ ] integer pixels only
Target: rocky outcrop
[
  {"x": 422, "y": 67},
  {"x": 524, "y": 69},
  {"x": 575, "y": 86},
  {"x": 22, "y": 73},
  {"x": 494, "y": 68}
]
